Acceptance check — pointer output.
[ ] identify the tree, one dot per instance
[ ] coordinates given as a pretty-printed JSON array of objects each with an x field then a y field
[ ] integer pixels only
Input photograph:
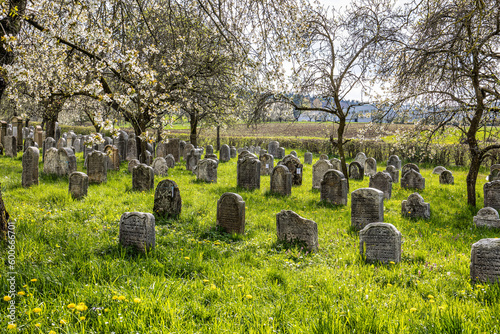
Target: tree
[{"x": 448, "y": 63}]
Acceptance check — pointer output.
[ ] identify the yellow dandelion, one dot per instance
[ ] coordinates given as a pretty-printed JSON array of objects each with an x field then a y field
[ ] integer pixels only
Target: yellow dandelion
[
  {"x": 392, "y": 262},
  {"x": 389, "y": 285},
  {"x": 241, "y": 277},
  {"x": 205, "y": 281},
  {"x": 186, "y": 257},
  {"x": 413, "y": 309},
  {"x": 63, "y": 322},
  {"x": 57, "y": 246},
  {"x": 106, "y": 310},
  {"x": 213, "y": 287},
  {"x": 82, "y": 318},
  {"x": 121, "y": 297},
  {"x": 248, "y": 297},
  {"x": 137, "y": 300},
  {"x": 52, "y": 332},
  {"x": 11, "y": 326},
  {"x": 431, "y": 301},
  {"x": 81, "y": 307},
  {"x": 7, "y": 298},
  {"x": 33, "y": 280},
  {"x": 38, "y": 325},
  {"x": 114, "y": 297},
  {"x": 72, "y": 305},
  {"x": 37, "y": 310},
  {"x": 310, "y": 286},
  {"x": 240, "y": 285},
  {"x": 430, "y": 296}
]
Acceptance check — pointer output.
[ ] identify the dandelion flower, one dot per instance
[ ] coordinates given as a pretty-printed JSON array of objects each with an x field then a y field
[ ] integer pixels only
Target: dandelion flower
[
  {"x": 205, "y": 281},
  {"x": 38, "y": 325},
  {"x": 392, "y": 262},
  {"x": 186, "y": 257},
  {"x": 37, "y": 310},
  {"x": 241, "y": 277},
  {"x": 431, "y": 301},
  {"x": 240, "y": 285},
  {"x": 63, "y": 322},
  {"x": 52, "y": 332},
  {"x": 213, "y": 287},
  {"x": 413, "y": 309},
  {"x": 389, "y": 285},
  {"x": 72, "y": 305},
  {"x": 11, "y": 326},
  {"x": 137, "y": 300},
  {"x": 82, "y": 318},
  {"x": 114, "y": 297},
  {"x": 310, "y": 286},
  {"x": 81, "y": 307},
  {"x": 121, "y": 297},
  {"x": 430, "y": 296},
  {"x": 248, "y": 296},
  {"x": 7, "y": 298},
  {"x": 33, "y": 280}
]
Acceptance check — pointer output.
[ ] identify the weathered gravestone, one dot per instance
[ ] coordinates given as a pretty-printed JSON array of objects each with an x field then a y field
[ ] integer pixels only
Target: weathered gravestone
[
  {"x": 415, "y": 207},
  {"x": 291, "y": 227},
  {"x": 39, "y": 135},
  {"x": 492, "y": 194},
  {"x": 356, "y": 171},
  {"x": 78, "y": 185},
  {"x": 294, "y": 153},
  {"x": 213, "y": 157},
  {"x": 248, "y": 173},
  {"x": 280, "y": 154},
  {"x": 137, "y": 229},
  {"x": 323, "y": 157},
  {"x": 393, "y": 172},
  {"x": 10, "y": 146},
  {"x": 281, "y": 180},
  {"x": 131, "y": 148},
  {"x": 224, "y": 153},
  {"x": 367, "y": 206},
  {"x": 78, "y": 145},
  {"x": 3, "y": 131},
  {"x": 206, "y": 170},
  {"x": 51, "y": 163},
  {"x": 406, "y": 168},
  {"x": 446, "y": 177},
  {"x": 308, "y": 158},
  {"x": 132, "y": 163},
  {"x": 61, "y": 143},
  {"x": 167, "y": 201},
  {"x": 170, "y": 160},
  {"x": 412, "y": 180},
  {"x": 121, "y": 144},
  {"x": 319, "y": 169},
  {"x": 487, "y": 217},
  {"x": 370, "y": 166},
  {"x": 143, "y": 178},
  {"x": 246, "y": 153},
  {"x": 233, "y": 153},
  {"x": 266, "y": 164},
  {"x": 160, "y": 166},
  {"x": 438, "y": 170},
  {"x": 295, "y": 167},
  {"x": 192, "y": 160},
  {"x": 383, "y": 182},
  {"x": 334, "y": 187},
  {"x": 210, "y": 149},
  {"x": 272, "y": 148},
  {"x": 30, "y": 167},
  {"x": 28, "y": 142},
  {"x": 380, "y": 242},
  {"x": 494, "y": 173},
  {"x": 394, "y": 161},
  {"x": 360, "y": 158},
  {"x": 97, "y": 170},
  {"x": 172, "y": 146},
  {"x": 67, "y": 161},
  {"x": 187, "y": 149},
  {"x": 113, "y": 157},
  {"x": 337, "y": 164},
  {"x": 148, "y": 157},
  {"x": 182, "y": 145},
  {"x": 231, "y": 213},
  {"x": 485, "y": 261}
]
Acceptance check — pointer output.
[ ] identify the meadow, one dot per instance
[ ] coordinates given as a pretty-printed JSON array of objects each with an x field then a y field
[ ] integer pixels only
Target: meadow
[{"x": 73, "y": 277}]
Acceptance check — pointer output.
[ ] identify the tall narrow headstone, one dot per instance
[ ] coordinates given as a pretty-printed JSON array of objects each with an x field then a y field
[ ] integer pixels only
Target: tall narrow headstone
[
  {"x": 295, "y": 167},
  {"x": 30, "y": 167},
  {"x": 224, "y": 153},
  {"x": 383, "y": 182},
  {"x": 492, "y": 194},
  {"x": 415, "y": 207},
  {"x": 334, "y": 187},
  {"x": 10, "y": 146},
  {"x": 485, "y": 261},
  {"x": 97, "y": 167},
  {"x": 39, "y": 135},
  {"x": 367, "y": 206},
  {"x": 231, "y": 213},
  {"x": 291, "y": 227},
  {"x": 318, "y": 171},
  {"x": 3, "y": 131},
  {"x": 370, "y": 166},
  {"x": 167, "y": 200},
  {"x": 356, "y": 171},
  {"x": 393, "y": 172},
  {"x": 51, "y": 164},
  {"x": 137, "y": 229},
  {"x": 192, "y": 160},
  {"x": 122, "y": 142},
  {"x": 308, "y": 158},
  {"x": 67, "y": 161},
  {"x": 272, "y": 148},
  {"x": 78, "y": 185},
  {"x": 113, "y": 157},
  {"x": 187, "y": 149},
  {"x": 281, "y": 180},
  {"x": 266, "y": 164},
  {"x": 173, "y": 147},
  {"x": 47, "y": 143},
  {"x": 143, "y": 178},
  {"x": 380, "y": 242},
  {"x": 280, "y": 154},
  {"x": 248, "y": 173},
  {"x": 233, "y": 152},
  {"x": 131, "y": 148}
]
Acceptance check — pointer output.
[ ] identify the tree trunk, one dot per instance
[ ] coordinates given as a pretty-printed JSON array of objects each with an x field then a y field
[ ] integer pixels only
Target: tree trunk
[
  {"x": 218, "y": 137},
  {"x": 193, "y": 122},
  {"x": 52, "y": 108},
  {"x": 340, "y": 146},
  {"x": 4, "y": 219}
]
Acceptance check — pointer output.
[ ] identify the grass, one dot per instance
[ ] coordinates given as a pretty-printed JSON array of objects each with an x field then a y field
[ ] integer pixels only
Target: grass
[{"x": 198, "y": 279}]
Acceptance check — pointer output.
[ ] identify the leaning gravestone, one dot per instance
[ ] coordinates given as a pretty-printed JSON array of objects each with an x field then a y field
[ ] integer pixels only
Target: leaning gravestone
[
  {"x": 360, "y": 158},
  {"x": 334, "y": 187},
  {"x": 10, "y": 146},
  {"x": 356, "y": 171},
  {"x": 97, "y": 170},
  {"x": 487, "y": 217},
  {"x": 30, "y": 167},
  {"x": 485, "y": 261},
  {"x": 446, "y": 177},
  {"x": 248, "y": 173},
  {"x": 438, "y": 170},
  {"x": 206, "y": 170},
  {"x": 231, "y": 213},
  {"x": 160, "y": 166},
  {"x": 192, "y": 160},
  {"x": 167, "y": 201},
  {"x": 137, "y": 229},
  {"x": 266, "y": 164},
  {"x": 336, "y": 163},
  {"x": 308, "y": 158},
  {"x": 187, "y": 150},
  {"x": 367, "y": 206},
  {"x": 406, "y": 168},
  {"x": 380, "y": 242},
  {"x": 412, "y": 180},
  {"x": 295, "y": 167},
  {"x": 383, "y": 182},
  {"x": 370, "y": 166},
  {"x": 170, "y": 160},
  {"x": 51, "y": 163},
  {"x": 291, "y": 227},
  {"x": 393, "y": 172},
  {"x": 280, "y": 154},
  {"x": 415, "y": 207},
  {"x": 224, "y": 153},
  {"x": 143, "y": 178},
  {"x": 78, "y": 185},
  {"x": 132, "y": 163},
  {"x": 492, "y": 194},
  {"x": 113, "y": 154},
  {"x": 67, "y": 161},
  {"x": 394, "y": 161},
  {"x": 319, "y": 169},
  {"x": 281, "y": 180},
  {"x": 272, "y": 148}
]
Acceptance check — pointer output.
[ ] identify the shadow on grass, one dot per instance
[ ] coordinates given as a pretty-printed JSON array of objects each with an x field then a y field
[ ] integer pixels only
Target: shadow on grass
[{"x": 216, "y": 233}]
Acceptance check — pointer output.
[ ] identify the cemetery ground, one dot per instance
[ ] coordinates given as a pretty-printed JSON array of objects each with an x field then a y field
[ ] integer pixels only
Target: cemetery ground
[{"x": 73, "y": 277}]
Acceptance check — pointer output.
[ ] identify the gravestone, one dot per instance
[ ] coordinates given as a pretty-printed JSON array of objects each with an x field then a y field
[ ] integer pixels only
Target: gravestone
[
  {"x": 10, "y": 146},
  {"x": 210, "y": 149},
  {"x": 224, "y": 153},
  {"x": 97, "y": 170},
  {"x": 148, "y": 158},
  {"x": 319, "y": 169},
  {"x": 246, "y": 153},
  {"x": 167, "y": 201},
  {"x": 412, "y": 180},
  {"x": 187, "y": 150},
  {"x": 151, "y": 150},
  {"x": 415, "y": 207},
  {"x": 232, "y": 152},
  {"x": 308, "y": 158},
  {"x": 78, "y": 185},
  {"x": 491, "y": 192},
  {"x": 393, "y": 172},
  {"x": 143, "y": 178},
  {"x": 161, "y": 150},
  {"x": 291, "y": 227},
  {"x": 39, "y": 135},
  {"x": 266, "y": 164},
  {"x": 406, "y": 168},
  {"x": 121, "y": 144},
  {"x": 336, "y": 163},
  {"x": 281, "y": 180},
  {"x": 485, "y": 261},
  {"x": 231, "y": 213},
  {"x": 494, "y": 175},
  {"x": 170, "y": 160},
  {"x": 131, "y": 148},
  {"x": 360, "y": 158},
  {"x": 57, "y": 132},
  {"x": 383, "y": 182},
  {"x": 182, "y": 145},
  {"x": 438, "y": 170},
  {"x": 173, "y": 148},
  {"x": 446, "y": 177},
  {"x": 78, "y": 145},
  {"x": 367, "y": 206},
  {"x": 294, "y": 153},
  {"x": 280, "y": 154},
  {"x": 356, "y": 171},
  {"x": 206, "y": 170},
  {"x": 213, "y": 157},
  {"x": 272, "y": 148},
  {"x": 61, "y": 143},
  {"x": 3, "y": 131},
  {"x": 248, "y": 173},
  {"x": 132, "y": 163},
  {"x": 380, "y": 242},
  {"x": 51, "y": 163},
  {"x": 370, "y": 167},
  {"x": 137, "y": 229},
  {"x": 323, "y": 157},
  {"x": 67, "y": 161},
  {"x": 30, "y": 167},
  {"x": 113, "y": 157},
  {"x": 192, "y": 160},
  {"x": 394, "y": 161},
  {"x": 160, "y": 166},
  {"x": 487, "y": 217},
  {"x": 334, "y": 187},
  {"x": 17, "y": 126},
  {"x": 295, "y": 167}
]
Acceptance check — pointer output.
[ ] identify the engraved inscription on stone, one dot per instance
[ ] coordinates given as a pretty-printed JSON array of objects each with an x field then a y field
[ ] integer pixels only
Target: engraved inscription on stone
[
  {"x": 167, "y": 200},
  {"x": 281, "y": 180},
  {"x": 485, "y": 261},
  {"x": 319, "y": 170},
  {"x": 137, "y": 229},
  {"x": 231, "y": 213},
  {"x": 334, "y": 187},
  {"x": 492, "y": 194},
  {"x": 415, "y": 207},
  {"x": 291, "y": 227},
  {"x": 367, "y": 206},
  {"x": 380, "y": 242},
  {"x": 383, "y": 182},
  {"x": 487, "y": 217},
  {"x": 78, "y": 185}
]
